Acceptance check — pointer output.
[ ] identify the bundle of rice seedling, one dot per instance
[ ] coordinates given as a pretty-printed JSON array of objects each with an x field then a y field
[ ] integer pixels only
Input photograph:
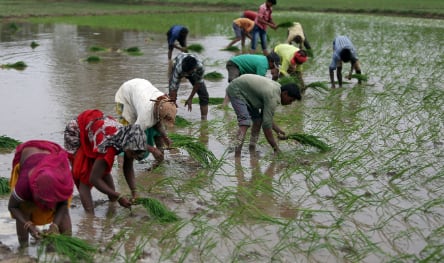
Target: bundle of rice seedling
[
  {"x": 97, "y": 49},
  {"x": 232, "y": 49},
  {"x": 156, "y": 209},
  {"x": 181, "y": 121},
  {"x": 8, "y": 144},
  {"x": 92, "y": 59},
  {"x": 4, "y": 186},
  {"x": 195, "y": 48},
  {"x": 211, "y": 101},
  {"x": 76, "y": 249},
  {"x": 135, "y": 51},
  {"x": 308, "y": 139},
  {"x": 20, "y": 65},
  {"x": 214, "y": 75},
  {"x": 34, "y": 44},
  {"x": 196, "y": 150},
  {"x": 289, "y": 79},
  {"x": 285, "y": 24},
  {"x": 360, "y": 77}
]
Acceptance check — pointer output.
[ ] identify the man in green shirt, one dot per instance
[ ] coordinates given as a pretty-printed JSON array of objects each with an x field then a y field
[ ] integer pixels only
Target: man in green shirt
[
  {"x": 252, "y": 64},
  {"x": 254, "y": 99}
]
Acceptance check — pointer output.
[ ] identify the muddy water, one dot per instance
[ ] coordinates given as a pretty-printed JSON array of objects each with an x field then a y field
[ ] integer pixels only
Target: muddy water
[{"x": 37, "y": 102}]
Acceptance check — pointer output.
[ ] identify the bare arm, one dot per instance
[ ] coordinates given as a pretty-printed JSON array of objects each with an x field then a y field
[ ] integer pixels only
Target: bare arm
[{"x": 268, "y": 132}]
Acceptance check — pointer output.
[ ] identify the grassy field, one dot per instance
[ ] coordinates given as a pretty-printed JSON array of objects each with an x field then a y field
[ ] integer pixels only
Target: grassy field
[{"x": 424, "y": 8}]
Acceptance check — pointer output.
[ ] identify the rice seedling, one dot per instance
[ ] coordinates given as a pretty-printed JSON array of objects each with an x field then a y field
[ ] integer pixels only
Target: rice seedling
[
  {"x": 181, "y": 122},
  {"x": 308, "y": 139},
  {"x": 360, "y": 77},
  {"x": 213, "y": 76},
  {"x": 211, "y": 101},
  {"x": 197, "y": 150},
  {"x": 97, "y": 49},
  {"x": 286, "y": 24},
  {"x": 34, "y": 44},
  {"x": 7, "y": 144},
  {"x": 75, "y": 249},
  {"x": 198, "y": 48},
  {"x": 134, "y": 51},
  {"x": 231, "y": 49},
  {"x": 156, "y": 209},
  {"x": 93, "y": 59},
  {"x": 4, "y": 186},
  {"x": 19, "y": 65}
]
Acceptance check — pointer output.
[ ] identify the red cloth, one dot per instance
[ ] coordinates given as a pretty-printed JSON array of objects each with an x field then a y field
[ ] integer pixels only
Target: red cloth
[
  {"x": 50, "y": 179},
  {"x": 250, "y": 14},
  {"x": 298, "y": 58},
  {"x": 85, "y": 156}
]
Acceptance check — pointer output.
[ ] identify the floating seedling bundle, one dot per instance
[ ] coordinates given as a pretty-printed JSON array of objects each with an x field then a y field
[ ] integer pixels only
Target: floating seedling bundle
[
  {"x": 232, "y": 49},
  {"x": 285, "y": 24},
  {"x": 20, "y": 65},
  {"x": 211, "y": 101},
  {"x": 311, "y": 140},
  {"x": 4, "y": 186},
  {"x": 360, "y": 77},
  {"x": 196, "y": 149},
  {"x": 213, "y": 76},
  {"x": 156, "y": 209},
  {"x": 195, "y": 48},
  {"x": 76, "y": 249}
]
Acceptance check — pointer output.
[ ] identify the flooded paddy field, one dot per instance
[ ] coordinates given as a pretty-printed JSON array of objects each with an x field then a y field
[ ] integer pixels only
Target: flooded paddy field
[{"x": 377, "y": 196}]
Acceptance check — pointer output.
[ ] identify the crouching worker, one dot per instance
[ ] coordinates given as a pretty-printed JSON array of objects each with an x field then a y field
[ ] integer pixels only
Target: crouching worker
[
  {"x": 93, "y": 140},
  {"x": 42, "y": 186},
  {"x": 139, "y": 102},
  {"x": 254, "y": 99}
]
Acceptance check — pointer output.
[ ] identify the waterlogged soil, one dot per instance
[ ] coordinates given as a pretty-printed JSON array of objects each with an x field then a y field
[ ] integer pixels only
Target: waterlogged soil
[{"x": 303, "y": 190}]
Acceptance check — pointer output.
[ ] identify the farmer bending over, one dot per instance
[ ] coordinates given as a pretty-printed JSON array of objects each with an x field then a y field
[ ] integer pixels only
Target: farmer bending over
[{"x": 343, "y": 51}]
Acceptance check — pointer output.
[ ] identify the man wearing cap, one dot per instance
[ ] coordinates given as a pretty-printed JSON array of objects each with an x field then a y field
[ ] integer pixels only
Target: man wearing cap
[
  {"x": 343, "y": 51},
  {"x": 139, "y": 102},
  {"x": 252, "y": 64},
  {"x": 292, "y": 59}
]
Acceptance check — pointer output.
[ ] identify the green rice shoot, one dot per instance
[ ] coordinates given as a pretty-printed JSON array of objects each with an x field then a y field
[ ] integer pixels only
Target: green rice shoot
[
  {"x": 360, "y": 77},
  {"x": 232, "y": 49},
  {"x": 134, "y": 51},
  {"x": 34, "y": 44},
  {"x": 20, "y": 65},
  {"x": 97, "y": 49},
  {"x": 7, "y": 144},
  {"x": 214, "y": 75},
  {"x": 211, "y": 101},
  {"x": 311, "y": 140},
  {"x": 93, "y": 59},
  {"x": 158, "y": 210},
  {"x": 181, "y": 122},
  {"x": 195, "y": 149},
  {"x": 76, "y": 249},
  {"x": 4, "y": 186},
  {"x": 198, "y": 48},
  {"x": 285, "y": 24}
]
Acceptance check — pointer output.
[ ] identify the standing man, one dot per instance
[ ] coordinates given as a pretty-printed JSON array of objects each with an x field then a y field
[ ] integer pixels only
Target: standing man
[
  {"x": 263, "y": 19},
  {"x": 296, "y": 34},
  {"x": 255, "y": 99},
  {"x": 292, "y": 59},
  {"x": 177, "y": 33},
  {"x": 252, "y": 64},
  {"x": 343, "y": 51},
  {"x": 189, "y": 66}
]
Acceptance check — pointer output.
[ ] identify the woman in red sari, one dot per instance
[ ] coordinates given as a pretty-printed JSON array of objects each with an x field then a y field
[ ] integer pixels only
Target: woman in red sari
[
  {"x": 93, "y": 140},
  {"x": 42, "y": 186}
]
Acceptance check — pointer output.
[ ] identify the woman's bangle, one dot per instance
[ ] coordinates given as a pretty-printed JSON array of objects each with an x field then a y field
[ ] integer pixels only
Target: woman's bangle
[{"x": 27, "y": 225}]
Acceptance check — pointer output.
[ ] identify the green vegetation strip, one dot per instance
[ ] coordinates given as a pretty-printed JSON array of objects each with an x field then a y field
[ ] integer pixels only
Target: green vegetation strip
[
  {"x": 76, "y": 249},
  {"x": 4, "y": 186},
  {"x": 158, "y": 210},
  {"x": 196, "y": 149}
]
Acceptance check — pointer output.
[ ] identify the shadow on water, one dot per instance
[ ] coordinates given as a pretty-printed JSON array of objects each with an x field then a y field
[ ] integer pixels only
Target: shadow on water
[{"x": 348, "y": 204}]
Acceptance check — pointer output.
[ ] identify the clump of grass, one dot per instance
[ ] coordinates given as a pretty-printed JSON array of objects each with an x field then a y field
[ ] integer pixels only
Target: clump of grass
[
  {"x": 92, "y": 59},
  {"x": 97, "y": 49},
  {"x": 4, "y": 186},
  {"x": 181, "y": 121},
  {"x": 34, "y": 44},
  {"x": 8, "y": 144},
  {"x": 285, "y": 24},
  {"x": 195, "y": 48},
  {"x": 214, "y": 75},
  {"x": 20, "y": 65},
  {"x": 135, "y": 51},
  {"x": 196, "y": 149},
  {"x": 232, "y": 49},
  {"x": 308, "y": 139},
  {"x": 360, "y": 77},
  {"x": 211, "y": 101},
  {"x": 157, "y": 209},
  {"x": 76, "y": 249}
]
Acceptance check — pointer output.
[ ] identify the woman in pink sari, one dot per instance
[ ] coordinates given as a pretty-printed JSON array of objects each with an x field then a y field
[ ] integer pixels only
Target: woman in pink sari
[{"x": 42, "y": 186}]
